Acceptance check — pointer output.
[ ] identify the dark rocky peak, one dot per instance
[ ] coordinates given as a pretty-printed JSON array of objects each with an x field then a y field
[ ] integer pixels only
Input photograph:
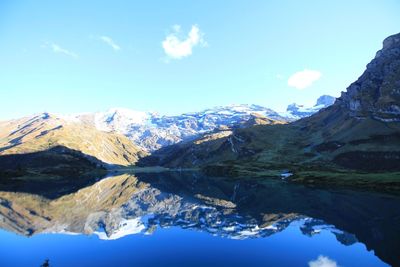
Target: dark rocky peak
[
  {"x": 391, "y": 42},
  {"x": 376, "y": 93}
]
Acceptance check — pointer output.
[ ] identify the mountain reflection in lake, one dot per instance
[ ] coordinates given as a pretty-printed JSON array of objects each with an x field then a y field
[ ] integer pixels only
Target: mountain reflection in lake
[{"x": 187, "y": 219}]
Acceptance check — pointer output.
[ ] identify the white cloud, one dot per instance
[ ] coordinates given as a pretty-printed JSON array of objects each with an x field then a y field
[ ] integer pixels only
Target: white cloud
[
  {"x": 304, "y": 79},
  {"x": 177, "y": 48},
  {"x": 59, "y": 50},
  {"x": 110, "y": 42},
  {"x": 322, "y": 261}
]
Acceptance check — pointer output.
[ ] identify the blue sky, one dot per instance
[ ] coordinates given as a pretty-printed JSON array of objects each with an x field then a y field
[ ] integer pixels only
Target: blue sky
[{"x": 180, "y": 56}]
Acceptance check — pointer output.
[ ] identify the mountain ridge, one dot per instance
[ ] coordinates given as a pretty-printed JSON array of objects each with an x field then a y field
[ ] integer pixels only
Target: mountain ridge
[
  {"x": 152, "y": 131},
  {"x": 43, "y": 138},
  {"x": 359, "y": 132}
]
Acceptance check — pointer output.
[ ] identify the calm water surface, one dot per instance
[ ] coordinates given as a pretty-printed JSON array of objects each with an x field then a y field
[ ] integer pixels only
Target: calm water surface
[{"x": 188, "y": 219}]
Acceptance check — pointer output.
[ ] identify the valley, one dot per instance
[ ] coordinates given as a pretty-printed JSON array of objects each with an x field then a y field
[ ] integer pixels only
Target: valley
[
  {"x": 352, "y": 141},
  {"x": 199, "y": 133}
]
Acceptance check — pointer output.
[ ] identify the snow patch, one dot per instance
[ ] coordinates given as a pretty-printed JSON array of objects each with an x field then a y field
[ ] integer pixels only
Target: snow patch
[{"x": 126, "y": 227}]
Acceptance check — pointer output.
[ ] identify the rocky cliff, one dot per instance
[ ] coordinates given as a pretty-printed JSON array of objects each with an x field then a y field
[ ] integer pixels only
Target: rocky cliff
[{"x": 376, "y": 93}]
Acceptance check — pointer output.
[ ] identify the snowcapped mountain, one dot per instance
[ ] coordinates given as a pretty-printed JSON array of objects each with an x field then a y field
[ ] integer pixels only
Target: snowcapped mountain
[
  {"x": 152, "y": 131},
  {"x": 295, "y": 111},
  {"x": 325, "y": 100}
]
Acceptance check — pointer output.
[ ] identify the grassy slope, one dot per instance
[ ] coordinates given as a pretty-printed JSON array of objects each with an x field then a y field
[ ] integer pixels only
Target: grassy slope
[{"x": 34, "y": 134}]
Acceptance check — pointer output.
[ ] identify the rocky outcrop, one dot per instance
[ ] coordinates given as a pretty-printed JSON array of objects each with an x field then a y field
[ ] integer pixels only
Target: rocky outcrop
[{"x": 376, "y": 93}]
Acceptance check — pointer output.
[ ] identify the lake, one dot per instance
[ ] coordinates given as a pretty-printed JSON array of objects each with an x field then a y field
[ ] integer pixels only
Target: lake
[{"x": 188, "y": 219}]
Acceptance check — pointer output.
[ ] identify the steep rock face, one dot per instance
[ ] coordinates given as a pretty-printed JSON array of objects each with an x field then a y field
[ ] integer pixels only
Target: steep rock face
[
  {"x": 361, "y": 130},
  {"x": 44, "y": 135},
  {"x": 376, "y": 93}
]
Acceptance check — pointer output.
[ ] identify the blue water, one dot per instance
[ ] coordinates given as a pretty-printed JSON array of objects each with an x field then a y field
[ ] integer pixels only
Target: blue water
[
  {"x": 178, "y": 247},
  {"x": 192, "y": 220}
]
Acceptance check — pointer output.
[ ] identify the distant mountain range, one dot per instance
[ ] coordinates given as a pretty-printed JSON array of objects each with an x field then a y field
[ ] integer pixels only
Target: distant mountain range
[{"x": 152, "y": 131}]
